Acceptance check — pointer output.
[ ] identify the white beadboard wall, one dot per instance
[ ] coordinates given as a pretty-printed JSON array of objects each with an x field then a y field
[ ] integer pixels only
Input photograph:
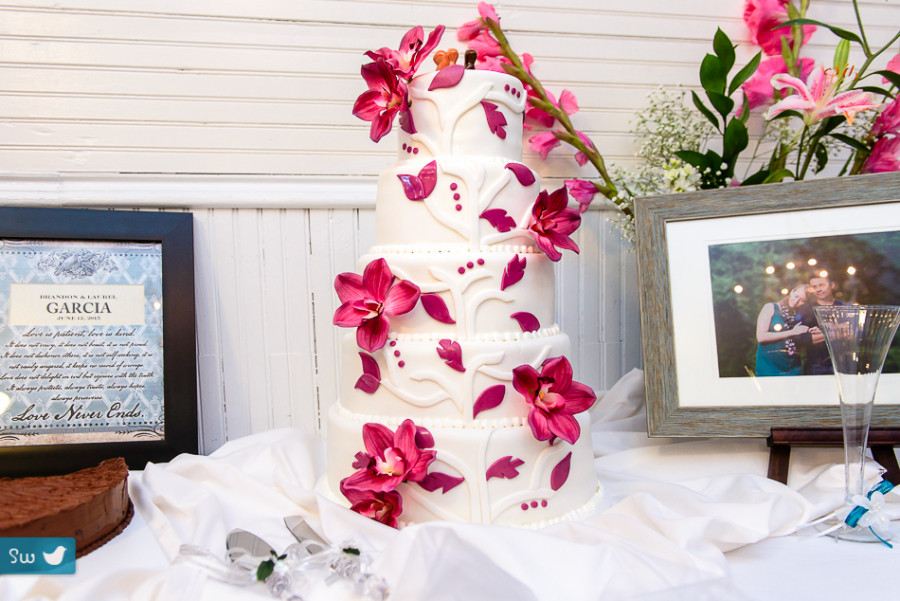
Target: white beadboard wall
[{"x": 240, "y": 112}]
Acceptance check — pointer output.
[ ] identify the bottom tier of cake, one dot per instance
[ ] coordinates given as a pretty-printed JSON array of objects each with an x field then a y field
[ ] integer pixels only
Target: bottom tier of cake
[{"x": 493, "y": 472}]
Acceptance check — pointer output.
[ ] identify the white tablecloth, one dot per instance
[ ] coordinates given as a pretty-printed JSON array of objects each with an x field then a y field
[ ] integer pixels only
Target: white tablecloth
[{"x": 680, "y": 519}]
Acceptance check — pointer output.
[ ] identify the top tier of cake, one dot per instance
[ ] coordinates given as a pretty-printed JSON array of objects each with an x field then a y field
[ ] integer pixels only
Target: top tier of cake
[{"x": 459, "y": 177}]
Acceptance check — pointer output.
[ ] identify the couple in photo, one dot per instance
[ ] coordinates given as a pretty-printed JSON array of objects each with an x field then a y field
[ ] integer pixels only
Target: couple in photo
[{"x": 789, "y": 340}]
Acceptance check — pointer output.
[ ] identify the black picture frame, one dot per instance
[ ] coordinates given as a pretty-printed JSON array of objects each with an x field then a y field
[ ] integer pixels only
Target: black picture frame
[
  {"x": 797, "y": 208},
  {"x": 173, "y": 231}
]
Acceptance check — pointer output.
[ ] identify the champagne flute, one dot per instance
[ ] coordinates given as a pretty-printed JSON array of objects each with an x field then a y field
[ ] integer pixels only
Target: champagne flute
[{"x": 858, "y": 338}]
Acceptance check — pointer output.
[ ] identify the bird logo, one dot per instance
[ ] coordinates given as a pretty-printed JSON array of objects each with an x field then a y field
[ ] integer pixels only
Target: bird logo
[{"x": 55, "y": 558}]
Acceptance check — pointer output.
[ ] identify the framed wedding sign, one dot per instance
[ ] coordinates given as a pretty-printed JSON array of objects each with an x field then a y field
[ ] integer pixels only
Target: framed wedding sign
[
  {"x": 723, "y": 273},
  {"x": 96, "y": 338}
]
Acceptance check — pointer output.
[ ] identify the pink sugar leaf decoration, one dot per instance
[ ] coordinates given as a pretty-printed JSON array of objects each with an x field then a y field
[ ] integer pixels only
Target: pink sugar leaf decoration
[
  {"x": 451, "y": 353},
  {"x": 436, "y": 308},
  {"x": 522, "y": 173},
  {"x": 420, "y": 187},
  {"x": 435, "y": 480},
  {"x": 447, "y": 77},
  {"x": 424, "y": 439},
  {"x": 527, "y": 321},
  {"x": 496, "y": 120},
  {"x": 505, "y": 467},
  {"x": 560, "y": 473},
  {"x": 513, "y": 272},
  {"x": 371, "y": 378},
  {"x": 362, "y": 461},
  {"x": 490, "y": 398},
  {"x": 499, "y": 219}
]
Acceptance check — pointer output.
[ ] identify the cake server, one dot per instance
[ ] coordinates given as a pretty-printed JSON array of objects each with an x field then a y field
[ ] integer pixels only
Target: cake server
[
  {"x": 305, "y": 535},
  {"x": 247, "y": 550}
]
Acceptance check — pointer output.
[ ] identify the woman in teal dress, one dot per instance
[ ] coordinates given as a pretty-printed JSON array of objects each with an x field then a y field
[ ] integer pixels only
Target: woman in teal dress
[{"x": 777, "y": 327}]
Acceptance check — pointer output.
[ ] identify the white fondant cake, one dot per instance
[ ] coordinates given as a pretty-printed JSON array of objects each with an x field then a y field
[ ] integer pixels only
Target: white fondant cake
[{"x": 456, "y": 400}]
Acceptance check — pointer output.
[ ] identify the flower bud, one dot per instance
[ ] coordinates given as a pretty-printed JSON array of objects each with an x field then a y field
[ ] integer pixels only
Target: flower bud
[{"x": 841, "y": 56}]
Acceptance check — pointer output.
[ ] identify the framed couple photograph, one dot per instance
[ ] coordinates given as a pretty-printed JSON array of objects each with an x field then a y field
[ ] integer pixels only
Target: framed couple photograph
[
  {"x": 728, "y": 281},
  {"x": 97, "y": 354}
]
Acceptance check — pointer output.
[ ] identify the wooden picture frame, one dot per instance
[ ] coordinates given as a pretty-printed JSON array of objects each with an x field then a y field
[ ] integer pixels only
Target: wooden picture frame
[
  {"x": 681, "y": 242},
  {"x": 120, "y": 390}
]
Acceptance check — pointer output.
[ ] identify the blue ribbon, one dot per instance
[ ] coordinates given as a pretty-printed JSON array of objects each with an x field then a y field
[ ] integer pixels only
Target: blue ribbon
[{"x": 858, "y": 511}]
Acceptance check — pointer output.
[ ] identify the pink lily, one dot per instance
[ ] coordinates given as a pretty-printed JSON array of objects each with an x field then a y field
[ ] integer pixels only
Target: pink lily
[
  {"x": 382, "y": 507},
  {"x": 885, "y": 156},
  {"x": 554, "y": 399},
  {"x": 820, "y": 99},
  {"x": 413, "y": 50},
  {"x": 369, "y": 300},
  {"x": 390, "y": 458},
  {"x": 759, "y": 88},
  {"x": 386, "y": 96},
  {"x": 552, "y": 221},
  {"x": 763, "y": 18},
  {"x": 583, "y": 191}
]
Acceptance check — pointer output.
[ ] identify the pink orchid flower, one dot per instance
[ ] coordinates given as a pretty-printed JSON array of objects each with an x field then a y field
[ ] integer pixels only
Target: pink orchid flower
[
  {"x": 390, "y": 458},
  {"x": 369, "y": 300},
  {"x": 885, "y": 156},
  {"x": 470, "y": 29},
  {"x": 413, "y": 50},
  {"x": 583, "y": 191},
  {"x": 888, "y": 122},
  {"x": 386, "y": 96},
  {"x": 382, "y": 507},
  {"x": 759, "y": 88},
  {"x": 554, "y": 398},
  {"x": 820, "y": 99},
  {"x": 552, "y": 220},
  {"x": 763, "y": 18}
]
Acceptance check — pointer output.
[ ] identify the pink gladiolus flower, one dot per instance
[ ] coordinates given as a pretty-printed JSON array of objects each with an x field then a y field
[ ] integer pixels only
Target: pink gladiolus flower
[
  {"x": 413, "y": 50},
  {"x": 885, "y": 156},
  {"x": 386, "y": 96},
  {"x": 763, "y": 18},
  {"x": 382, "y": 507},
  {"x": 893, "y": 65},
  {"x": 368, "y": 301},
  {"x": 567, "y": 102},
  {"x": 554, "y": 398},
  {"x": 485, "y": 45},
  {"x": 820, "y": 99},
  {"x": 888, "y": 122},
  {"x": 390, "y": 458},
  {"x": 759, "y": 88},
  {"x": 552, "y": 221},
  {"x": 582, "y": 191},
  {"x": 470, "y": 29},
  {"x": 543, "y": 143},
  {"x": 580, "y": 157}
]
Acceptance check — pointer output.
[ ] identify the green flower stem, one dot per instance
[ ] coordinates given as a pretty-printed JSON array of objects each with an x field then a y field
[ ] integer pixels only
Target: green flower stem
[
  {"x": 569, "y": 136},
  {"x": 862, "y": 31}
]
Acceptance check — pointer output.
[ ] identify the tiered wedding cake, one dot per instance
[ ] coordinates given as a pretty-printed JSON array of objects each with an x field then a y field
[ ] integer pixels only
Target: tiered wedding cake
[{"x": 457, "y": 402}]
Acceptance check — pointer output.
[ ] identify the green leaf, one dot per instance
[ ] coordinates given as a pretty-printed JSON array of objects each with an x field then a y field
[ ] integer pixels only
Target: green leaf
[
  {"x": 722, "y": 103},
  {"x": 712, "y": 76},
  {"x": 876, "y": 90},
  {"x": 694, "y": 158},
  {"x": 745, "y": 73},
  {"x": 851, "y": 142},
  {"x": 734, "y": 141},
  {"x": 351, "y": 550},
  {"x": 265, "y": 569},
  {"x": 777, "y": 176},
  {"x": 891, "y": 76},
  {"x": 821, "y": 158},
  {"x": 787, "y": 114},
  {"x": 702, "y": 108},
  {"x": 828, "y": 125},
  {"x": 724, "y": 49},
  {"x": 841, "y": 33}
]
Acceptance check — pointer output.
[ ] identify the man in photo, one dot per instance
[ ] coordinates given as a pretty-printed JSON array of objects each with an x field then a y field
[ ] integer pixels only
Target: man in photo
[{"x": 821, "y": 293}]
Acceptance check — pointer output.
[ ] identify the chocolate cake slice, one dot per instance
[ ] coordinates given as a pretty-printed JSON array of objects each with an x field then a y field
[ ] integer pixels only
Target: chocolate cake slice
[{"x": 91, "y": 505}]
